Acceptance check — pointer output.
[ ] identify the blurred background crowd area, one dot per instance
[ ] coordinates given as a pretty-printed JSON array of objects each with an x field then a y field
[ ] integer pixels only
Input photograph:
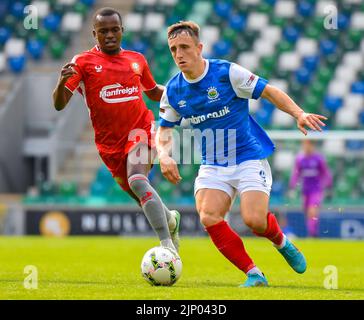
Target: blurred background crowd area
[{"x": 311, "y": 49}]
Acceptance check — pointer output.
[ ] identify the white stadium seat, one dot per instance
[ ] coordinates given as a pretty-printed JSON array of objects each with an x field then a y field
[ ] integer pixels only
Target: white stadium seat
[
  {"x": 357, "y": 20},
  {"x": 285, "y": 8},
  {"x": 14, "y": 47},
  {"x": 283, "y": 160},
  {"x": 2, "y": 61},
  {"x": 66, "y": 2},
  {"x": 168, "y": 2},
  {"x": 354, "y": 102},
  {"x": 345, "y": 73},
  {"x": 354, "y": 59},
  {"x": 289, "y": 61},
  {"x": 248, "y": 60},
  {"x": 254, "y": 105},
  {"x": 322, "y": 6},
  {"x": 338, "y": 88},
  {"x": 250, "y": 2},
  {"x": 306, "y": 47},
  {"x": 347, "y": 118},
  {"x": 333, "y": 147},
  {"x": 263, "y": 48},
  {"x": 279, "y": 83},
  {"x": 72, "y": 21},
  {"x": 154, "y": 21},
  {"x": 257, "y": 21},
  {"x": 147, "y": 2},
  {"x": 210, "y": 34},
  {"x": 133, "y": 22},
  {"x": 42, "y": 8},
  {"x": 282, "y": 119},
  {"x": 272, "y": 34}
]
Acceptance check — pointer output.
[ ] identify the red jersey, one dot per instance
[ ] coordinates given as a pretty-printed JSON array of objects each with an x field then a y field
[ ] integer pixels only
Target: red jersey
[{"x": 112, "y": 86}]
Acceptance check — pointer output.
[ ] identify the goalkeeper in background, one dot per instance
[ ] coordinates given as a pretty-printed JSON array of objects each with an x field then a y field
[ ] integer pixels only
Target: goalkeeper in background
[{"x": 311, "y": 168}]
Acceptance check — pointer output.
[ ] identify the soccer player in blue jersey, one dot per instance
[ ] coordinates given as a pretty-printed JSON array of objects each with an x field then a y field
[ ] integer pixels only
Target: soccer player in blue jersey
[{"x": 213, "y": 95}]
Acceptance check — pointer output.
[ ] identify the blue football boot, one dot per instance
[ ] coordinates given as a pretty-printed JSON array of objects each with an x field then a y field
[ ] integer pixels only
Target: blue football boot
[
  {"x": 255, "y": 280},
  {"x": 293, "y": 256}
]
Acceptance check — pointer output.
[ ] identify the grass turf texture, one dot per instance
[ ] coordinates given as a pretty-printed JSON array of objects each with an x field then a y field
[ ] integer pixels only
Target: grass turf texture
[{"x": 109, "y": 268}]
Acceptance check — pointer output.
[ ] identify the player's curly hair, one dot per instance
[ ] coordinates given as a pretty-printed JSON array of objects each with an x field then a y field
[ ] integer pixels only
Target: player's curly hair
[{"x": 189, "y": 27}]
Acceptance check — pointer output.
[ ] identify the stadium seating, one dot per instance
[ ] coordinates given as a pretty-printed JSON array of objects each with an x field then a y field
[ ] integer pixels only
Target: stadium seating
[
  {"x": 283, "y": 40},
  {"x": 57, "y": 20}
]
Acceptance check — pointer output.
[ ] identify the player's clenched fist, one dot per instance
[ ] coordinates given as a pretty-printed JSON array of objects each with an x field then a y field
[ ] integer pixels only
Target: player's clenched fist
[
  {"x": 67, "y": 71},
  {"x": 169, "y": 169}
]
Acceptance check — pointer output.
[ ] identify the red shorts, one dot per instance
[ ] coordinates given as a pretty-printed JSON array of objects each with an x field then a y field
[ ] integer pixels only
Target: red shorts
[{"x": 116, "y": 162}]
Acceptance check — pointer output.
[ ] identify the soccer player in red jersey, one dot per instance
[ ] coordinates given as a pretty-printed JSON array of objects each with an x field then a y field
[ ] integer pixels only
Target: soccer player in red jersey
[{"x": 112, "y": 81}]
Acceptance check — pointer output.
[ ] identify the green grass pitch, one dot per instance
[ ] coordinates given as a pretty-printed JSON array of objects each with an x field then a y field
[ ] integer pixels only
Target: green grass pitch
[{"x": 109, "y": 268}]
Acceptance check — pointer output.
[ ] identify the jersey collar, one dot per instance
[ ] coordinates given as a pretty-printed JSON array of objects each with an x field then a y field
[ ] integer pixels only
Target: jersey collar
[{"x": 201, "y": 76}]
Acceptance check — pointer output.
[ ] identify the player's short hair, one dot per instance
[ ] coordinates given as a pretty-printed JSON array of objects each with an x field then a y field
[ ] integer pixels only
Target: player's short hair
[
  {"x": 106, "y": 12},
  {"x": 189, "y": 27}
]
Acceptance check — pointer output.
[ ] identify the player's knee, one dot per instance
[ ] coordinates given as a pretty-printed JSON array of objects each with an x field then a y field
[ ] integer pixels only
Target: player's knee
[
  {"x": 208, "y": 218},
  {"x": 256, "y": 222}
]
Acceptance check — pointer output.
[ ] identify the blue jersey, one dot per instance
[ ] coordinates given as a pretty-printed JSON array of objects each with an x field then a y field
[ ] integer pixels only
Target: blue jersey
[{"x": 217, "y": 105}]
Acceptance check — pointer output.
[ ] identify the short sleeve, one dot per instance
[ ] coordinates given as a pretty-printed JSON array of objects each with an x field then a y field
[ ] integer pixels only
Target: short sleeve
[
  {"x": 73, "y": 82},
  {"x": 246, "y": 84},
  {"x": 168, "y": 116},
  {"x": 147, "y": 79}
]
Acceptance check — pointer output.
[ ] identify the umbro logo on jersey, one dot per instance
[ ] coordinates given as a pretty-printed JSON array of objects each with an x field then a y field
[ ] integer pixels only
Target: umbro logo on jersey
[
  {"x": 98, "y": 68},
  {"x": 182, "y": 103}
]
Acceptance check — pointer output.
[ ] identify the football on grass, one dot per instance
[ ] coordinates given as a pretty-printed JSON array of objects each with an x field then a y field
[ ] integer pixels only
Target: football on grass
[{"x": 161, "y": 266}]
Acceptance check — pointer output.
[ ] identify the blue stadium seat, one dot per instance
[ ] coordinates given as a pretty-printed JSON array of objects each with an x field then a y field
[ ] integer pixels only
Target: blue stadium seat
[
  {"x": 305, "y": 8},
  {"x": 17, "y": 64},
  {"x": 311, "y": 62},
  {"x": 355, "y": 145},
  {"x": 52, "y": 22},
  {"x": 263, "y": 117},
  {"x": 4, "y": 35},
  {"x": 343, "y": 21},
  {"x": 291, "y": 34},
  {"x": 361, "y": 117},
  {"x": 333, "y": 103},
  {"x": 222, "y": 9},
  {"x": 35, "y": 48},
  {"x": 303, "y": 76},
  {"x": 222, "y": 48},
  {"x": 358, "y": 87},
  {"x": 88, "y": 3},
  {"x": 327, "y": 47},
  {"x": 17, "y": 9},
  {"x": 237, "y": 22}
]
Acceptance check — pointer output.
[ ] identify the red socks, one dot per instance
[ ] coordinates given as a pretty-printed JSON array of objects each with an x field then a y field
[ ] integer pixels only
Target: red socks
[
  {"x": 273, "y": 232},
  {"x": 230, "y": 245}
]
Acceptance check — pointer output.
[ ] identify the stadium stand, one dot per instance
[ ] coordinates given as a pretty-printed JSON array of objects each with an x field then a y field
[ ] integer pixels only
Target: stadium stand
[{"x": 281, "y": 40}]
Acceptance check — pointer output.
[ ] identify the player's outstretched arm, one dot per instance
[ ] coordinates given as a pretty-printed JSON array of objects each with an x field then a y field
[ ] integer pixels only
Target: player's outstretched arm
[
  {"x": 61, "y": 95},
  {"x": 283, "y": 102},
  {"x": 169, "y": 169},
  {"x": 156, "y": 93}
]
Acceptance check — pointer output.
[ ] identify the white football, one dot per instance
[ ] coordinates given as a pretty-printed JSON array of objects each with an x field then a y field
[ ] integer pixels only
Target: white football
[{"x": 161, "y": 266}]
